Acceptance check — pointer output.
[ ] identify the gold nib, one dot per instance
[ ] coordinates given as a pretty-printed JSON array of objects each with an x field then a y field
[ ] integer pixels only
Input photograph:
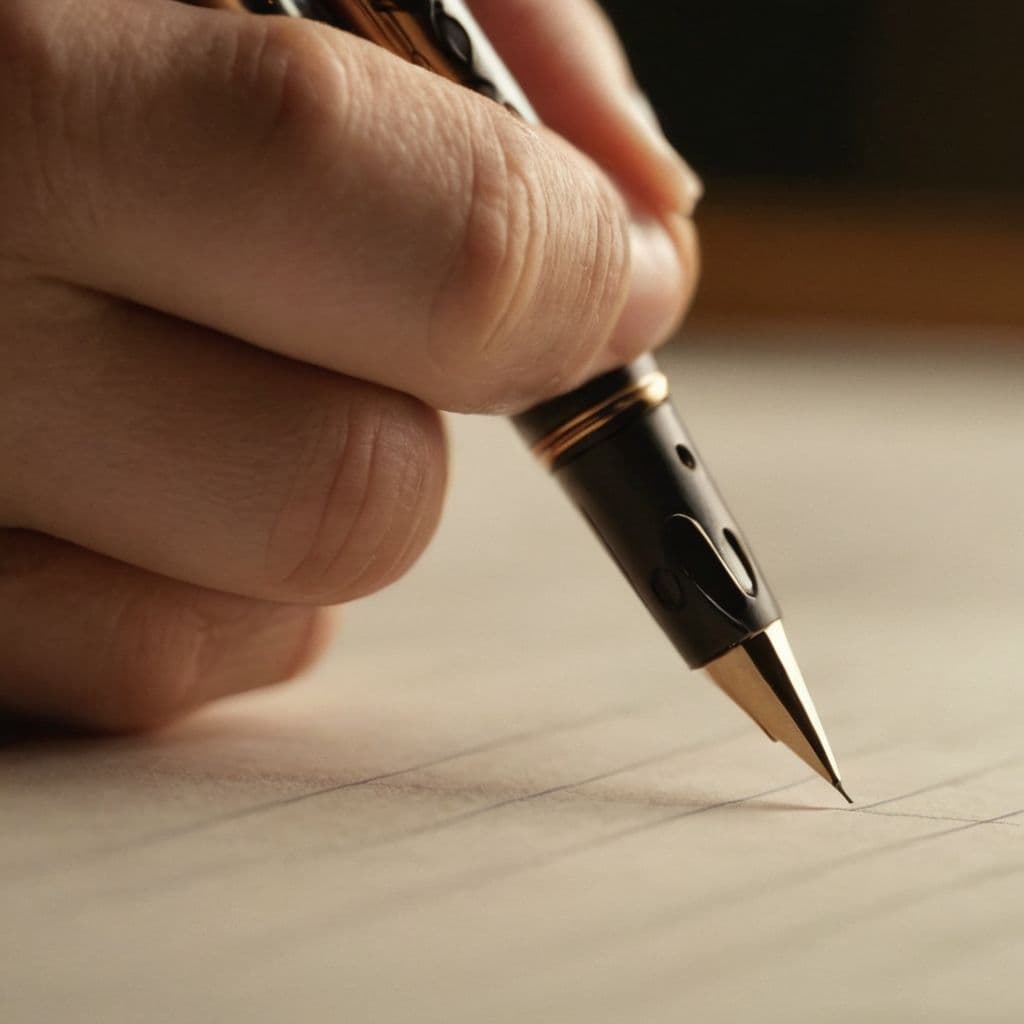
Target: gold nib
[
  {"x": 846, "y": 796},
  {"x": 762, "y": 677}
]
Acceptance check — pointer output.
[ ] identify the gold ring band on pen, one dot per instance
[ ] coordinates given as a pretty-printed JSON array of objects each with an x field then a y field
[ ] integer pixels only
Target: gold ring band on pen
[{"x": 649, "y": 391}]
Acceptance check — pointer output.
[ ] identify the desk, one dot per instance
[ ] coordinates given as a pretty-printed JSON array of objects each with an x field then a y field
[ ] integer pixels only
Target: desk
[{"x": 503, "y": 799}]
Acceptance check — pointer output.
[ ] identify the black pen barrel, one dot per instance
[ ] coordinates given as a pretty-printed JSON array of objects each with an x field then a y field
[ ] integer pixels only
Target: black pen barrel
[{"x": 622, "y": 455}]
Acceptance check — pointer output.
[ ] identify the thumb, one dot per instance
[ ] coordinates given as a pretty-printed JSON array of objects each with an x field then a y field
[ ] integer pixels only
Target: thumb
[{"x": 571, "y": 64}]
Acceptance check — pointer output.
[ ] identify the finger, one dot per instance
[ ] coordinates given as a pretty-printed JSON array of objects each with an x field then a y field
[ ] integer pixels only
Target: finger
[
  {"x": 172, "y": 448},
  {"x": 286, "y": 183},
  {"x": 570, "y": 62},
  {"x": 95, "y": 642}
]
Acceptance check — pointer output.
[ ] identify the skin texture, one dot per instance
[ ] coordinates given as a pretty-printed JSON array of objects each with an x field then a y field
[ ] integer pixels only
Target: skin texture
[{"x": 244, "y": 262}]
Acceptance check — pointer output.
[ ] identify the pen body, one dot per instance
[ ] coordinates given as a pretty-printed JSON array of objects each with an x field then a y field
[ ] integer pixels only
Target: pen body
[{"x": 629, "y": 465}]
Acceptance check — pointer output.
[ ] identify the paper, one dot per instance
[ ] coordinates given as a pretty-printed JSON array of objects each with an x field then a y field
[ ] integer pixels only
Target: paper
[{"x": 504, "y": 799}]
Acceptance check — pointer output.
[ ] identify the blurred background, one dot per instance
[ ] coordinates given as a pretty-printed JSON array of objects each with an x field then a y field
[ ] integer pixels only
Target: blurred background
[{"x": 864, "y": 160}]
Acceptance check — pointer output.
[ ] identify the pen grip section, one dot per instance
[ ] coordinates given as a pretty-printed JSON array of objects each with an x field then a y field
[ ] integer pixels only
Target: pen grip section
[{"x": 644, "y": 491}]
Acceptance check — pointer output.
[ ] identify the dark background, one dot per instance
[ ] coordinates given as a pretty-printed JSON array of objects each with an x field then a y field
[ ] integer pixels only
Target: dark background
[
  {"x": 903, "y": 94},
  {"x": 864, "y": 160}
]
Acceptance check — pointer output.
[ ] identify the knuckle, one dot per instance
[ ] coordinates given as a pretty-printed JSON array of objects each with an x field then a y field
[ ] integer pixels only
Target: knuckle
[
  {"x": 290, "y": 81},
  {"x": 365, "y": 501},
  {"x": 539, "y": 270}
]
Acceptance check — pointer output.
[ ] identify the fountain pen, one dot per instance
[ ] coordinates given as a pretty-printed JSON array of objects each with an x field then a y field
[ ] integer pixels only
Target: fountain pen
[{"x": 616, "y": 444}]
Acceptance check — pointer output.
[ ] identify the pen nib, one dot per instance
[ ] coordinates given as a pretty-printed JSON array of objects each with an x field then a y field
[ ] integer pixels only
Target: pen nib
[
  {"x": 762, "y": 677},
  {"x": 846, "y": 796}
]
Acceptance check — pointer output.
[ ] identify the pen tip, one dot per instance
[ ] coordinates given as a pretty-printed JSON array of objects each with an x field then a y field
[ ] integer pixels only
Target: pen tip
[
  {"x": 762, "y": 677},
  {"x": 846, "y": 795}
]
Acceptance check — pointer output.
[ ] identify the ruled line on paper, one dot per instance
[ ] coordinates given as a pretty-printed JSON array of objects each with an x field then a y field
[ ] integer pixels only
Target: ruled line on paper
[
  {"x": 711, "y": 970},
  {"x": 510, "y": 739},
  {"x": 956, "y": 780},
  {"x": 489, "y": 875},
  {"x": 355, "y": 916},
  {"x": 622, "y": 711},
  {"x": 931, "y": 817},
  {"x": 673, "y": 916},
  {"x": 680, "y": 915},
  {"x": 479, "y": 877},
  {"x": 456, "y": 819}
]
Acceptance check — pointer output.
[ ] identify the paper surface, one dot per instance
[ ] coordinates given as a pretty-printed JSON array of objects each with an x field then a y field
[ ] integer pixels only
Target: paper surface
[{"x": 503, "y": 798}]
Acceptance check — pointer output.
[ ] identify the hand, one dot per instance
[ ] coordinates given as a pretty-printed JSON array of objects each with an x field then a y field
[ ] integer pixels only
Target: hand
[{"x": 243, "y": 262}]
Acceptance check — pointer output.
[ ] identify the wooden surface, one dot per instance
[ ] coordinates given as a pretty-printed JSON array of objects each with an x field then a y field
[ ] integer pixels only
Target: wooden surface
[
  {"x": 502, "y": 798},
  {"x": 892, "y": 258}
]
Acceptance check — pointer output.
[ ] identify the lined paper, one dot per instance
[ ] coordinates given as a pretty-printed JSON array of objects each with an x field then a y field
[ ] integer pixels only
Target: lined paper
[{"x": 502, "y": 797}]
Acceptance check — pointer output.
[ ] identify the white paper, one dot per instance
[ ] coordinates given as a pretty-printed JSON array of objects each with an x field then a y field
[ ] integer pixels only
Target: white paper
[{"x": 504, "y": 799}]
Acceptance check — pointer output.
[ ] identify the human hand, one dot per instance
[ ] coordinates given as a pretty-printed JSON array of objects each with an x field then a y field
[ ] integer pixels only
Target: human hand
[{"x": 244, "y": 260}]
